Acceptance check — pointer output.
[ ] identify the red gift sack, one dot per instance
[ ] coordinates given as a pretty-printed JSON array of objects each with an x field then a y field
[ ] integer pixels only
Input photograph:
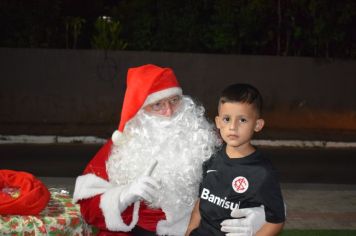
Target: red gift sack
[{"x": 21, "y": 193}]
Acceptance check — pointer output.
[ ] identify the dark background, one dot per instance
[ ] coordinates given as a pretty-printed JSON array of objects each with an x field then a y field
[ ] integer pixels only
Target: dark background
[{"x": 312, "y": 28}]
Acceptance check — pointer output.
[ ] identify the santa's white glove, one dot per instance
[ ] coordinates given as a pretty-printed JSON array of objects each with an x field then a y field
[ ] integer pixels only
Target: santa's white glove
[
  {"x": 246, "y": 223},
  {"x": 143, "y": 188}
]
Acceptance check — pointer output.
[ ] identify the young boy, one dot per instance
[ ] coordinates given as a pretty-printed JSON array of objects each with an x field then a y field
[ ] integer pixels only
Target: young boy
[{"x": 237, "y": 176}]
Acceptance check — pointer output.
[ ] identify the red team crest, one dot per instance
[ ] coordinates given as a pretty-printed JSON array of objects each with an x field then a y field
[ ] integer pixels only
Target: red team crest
[{"x": 240, "y": 184}]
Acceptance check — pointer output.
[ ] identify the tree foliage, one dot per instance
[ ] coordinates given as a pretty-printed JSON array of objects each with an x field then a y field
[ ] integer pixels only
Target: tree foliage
[
  {"x": 315, "y": 28},
  {"x": 107, "y": 34}
]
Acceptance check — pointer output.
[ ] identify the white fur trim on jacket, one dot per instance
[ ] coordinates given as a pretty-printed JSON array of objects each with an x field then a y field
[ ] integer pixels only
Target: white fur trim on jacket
[
  {"x": 90, "y": 185},
  {"x": 109, "y": 204},
  {"x": 154, "y": 97},
  {"x": 176, "y": 223}
]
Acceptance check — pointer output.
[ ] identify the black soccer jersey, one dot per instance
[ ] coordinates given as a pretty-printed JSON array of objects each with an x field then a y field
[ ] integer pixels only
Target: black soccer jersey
[{"x": 230, "y": 183}]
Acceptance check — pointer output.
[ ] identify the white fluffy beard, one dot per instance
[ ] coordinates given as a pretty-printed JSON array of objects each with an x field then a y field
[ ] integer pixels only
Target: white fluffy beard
[{"x": 180, "y": 144}]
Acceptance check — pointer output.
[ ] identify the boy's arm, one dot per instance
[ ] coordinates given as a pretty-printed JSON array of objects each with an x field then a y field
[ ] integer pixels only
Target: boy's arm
[
  {"x": 194, "y": 219},
  {"x": 270, "y": 229}
]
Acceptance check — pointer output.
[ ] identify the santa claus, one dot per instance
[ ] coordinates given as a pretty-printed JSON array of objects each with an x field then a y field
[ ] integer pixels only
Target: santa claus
[{"x": 144, "y": 181}]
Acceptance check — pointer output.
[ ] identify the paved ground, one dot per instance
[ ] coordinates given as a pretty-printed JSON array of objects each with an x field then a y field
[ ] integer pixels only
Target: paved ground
[
  {"x": 309, "y": 206},
  {"x": 320, "y": 206}
]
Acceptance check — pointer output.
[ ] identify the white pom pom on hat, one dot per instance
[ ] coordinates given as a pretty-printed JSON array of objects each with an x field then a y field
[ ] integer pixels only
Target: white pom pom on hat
[{"x": 145, "y": 85}]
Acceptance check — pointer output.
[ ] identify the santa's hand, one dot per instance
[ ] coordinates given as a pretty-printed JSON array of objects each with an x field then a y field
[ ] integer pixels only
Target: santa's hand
[
  {"x": 143, "y": 188},
  {"x": 246, "y": 222}
]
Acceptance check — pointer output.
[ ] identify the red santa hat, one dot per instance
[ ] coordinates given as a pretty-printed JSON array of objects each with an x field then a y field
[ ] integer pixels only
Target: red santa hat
[{"x": 145, "y": 85}]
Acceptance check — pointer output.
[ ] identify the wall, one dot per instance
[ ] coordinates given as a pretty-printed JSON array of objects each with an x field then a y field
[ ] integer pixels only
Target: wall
[{"x": 80, "y": 92}]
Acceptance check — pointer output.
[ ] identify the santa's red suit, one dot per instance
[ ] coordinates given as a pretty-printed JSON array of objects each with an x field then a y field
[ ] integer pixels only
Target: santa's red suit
[{"x": 91, "y": 211}]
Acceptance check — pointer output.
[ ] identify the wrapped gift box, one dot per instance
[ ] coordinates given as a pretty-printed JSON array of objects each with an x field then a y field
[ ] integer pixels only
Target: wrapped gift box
[{"x": 60, "y": 217}]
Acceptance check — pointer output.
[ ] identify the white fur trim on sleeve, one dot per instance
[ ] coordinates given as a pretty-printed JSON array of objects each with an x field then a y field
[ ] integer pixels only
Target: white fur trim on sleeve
[
  {"x": 109, "y": 204},
  {"x": 89, "y": 185}
]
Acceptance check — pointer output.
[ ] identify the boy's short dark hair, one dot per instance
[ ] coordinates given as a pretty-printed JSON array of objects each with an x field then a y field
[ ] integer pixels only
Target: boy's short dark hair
[{"x": 244, "y": 93}]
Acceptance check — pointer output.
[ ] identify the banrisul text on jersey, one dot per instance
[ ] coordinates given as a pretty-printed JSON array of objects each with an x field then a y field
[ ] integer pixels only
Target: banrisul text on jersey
[{"x": 219, "y": 201}]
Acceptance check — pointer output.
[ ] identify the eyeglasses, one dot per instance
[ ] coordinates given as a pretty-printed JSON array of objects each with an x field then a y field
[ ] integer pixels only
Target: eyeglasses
[{"x": 164, "y": 104}]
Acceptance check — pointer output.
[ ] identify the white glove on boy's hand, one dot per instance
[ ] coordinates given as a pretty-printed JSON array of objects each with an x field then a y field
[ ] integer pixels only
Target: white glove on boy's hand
[
  {"x": 143, "y": 188},
  {"x": 246, "y": 223}
]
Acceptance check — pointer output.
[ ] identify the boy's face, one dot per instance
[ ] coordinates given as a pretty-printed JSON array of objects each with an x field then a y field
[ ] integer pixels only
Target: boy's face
[{"x": 237, "y": 122}]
